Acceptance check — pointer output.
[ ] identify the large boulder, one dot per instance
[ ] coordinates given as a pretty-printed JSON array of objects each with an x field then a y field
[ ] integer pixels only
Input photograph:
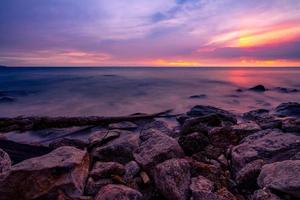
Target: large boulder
[
  {"x": 290, "y": 109},
  {"x": 282, "y": 176},
  {"x": 106, "y": 169},
  {"x": 269, "y": 145},
  {"x": 264, "y": 194},
  {"x": 5, "y": 163},
  {"x": 118, "y": 192},
  {"x": 202, "y": 189},
  {"x": 193, "y": 143},
  {"x": 118, "y": 150},
  {"x": 201, "y": 110},
  {"x": 155, "y": 148},
  {"x": 65, "y": 168},
  {"x": 172, "y": 179}
]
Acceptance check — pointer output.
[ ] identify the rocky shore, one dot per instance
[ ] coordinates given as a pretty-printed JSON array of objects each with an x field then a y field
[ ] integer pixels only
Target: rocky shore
[{"x": 210, "y": 154}]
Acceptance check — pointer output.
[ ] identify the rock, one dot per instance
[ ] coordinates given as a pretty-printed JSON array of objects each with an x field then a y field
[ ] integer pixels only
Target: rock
[
  {"x": 291, "y": 125},
  {"x": 92, "y": 187},
  {"x": 193, "y": 143},
  {"x": 290, "y": 109},
  {"x": 223, "y": 137},
  {"x": 65, "y": 168},
  {"x": 224, "y": 194},
  {"x": 119, "y": 150},
  {"x": 201, "y": 96},
  {"x": 200, "y": 110},
  {"x": 68, "y": 142},
  {"x": 106, "y": 170},
  {"x": 201, "y": 184},
  {"x": 246, "y": 177},
  {"x": 245, "y": 129},
  {"x": 256, "y": 114},
  {"x": 155, "y": 148},
  {"x": 131, "y": 170},
  {"x": 118, "y": 192},
  {"x": 160, "y": 126},
  {"x": 5, "y": 163},
  {"x": 258, "y": 88},
  {"x": 101, "y": 137},
  {"x": 123, "y": 125},
  {"x": 286, "y": 90},
  {"x": 264, "y": 194},
  {"x": 282, "y": 176},
  {"x": 172, "y": 179},
  {"x": 145, "y": 177},
  {"x": 269, "y": 145}
]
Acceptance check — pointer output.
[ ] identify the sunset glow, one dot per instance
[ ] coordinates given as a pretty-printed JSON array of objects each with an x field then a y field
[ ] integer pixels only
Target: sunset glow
[{"x": 150, "y": 33}]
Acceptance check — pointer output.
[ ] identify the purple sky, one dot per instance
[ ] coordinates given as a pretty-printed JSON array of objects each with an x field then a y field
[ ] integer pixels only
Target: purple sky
[{"x": 149, "y": 32}]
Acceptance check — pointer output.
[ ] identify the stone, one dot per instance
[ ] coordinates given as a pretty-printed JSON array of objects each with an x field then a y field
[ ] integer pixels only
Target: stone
[
  {"x": 200, "y": 124},
  {"x": 118, "y": 150},
  {"x": 264, "y": 194},
  {"x": 123, "y": 125},
  {"x": 256, "y": 114},
  {"x": 286, "y": 90},
  {"x": 92, "y": 187},
  {"x": 225, "y": 194},
  {"x": 118, "y": 192},
  {"x": 201, "y": 184},
  {"x": 65, "y": 168},
  {"x": 258, "y": 88},
  {"x": 106, "y": 170},
  {"x": 5, "y": 163},
  {"x": 247, "y": 176},
  {"x": 201, "y": 110},
  {"x": 281, "y": 176},
  {"x": 155, "y": 148},
  {"x": 200, "y": 96},
  {"x": 101, "y": 137},
  {"x": 68, "y": 142},
  {"x": 269, "y": 145},
  {"x": 290, "y": 109},
  {"x": 193, "y": 143},
  {"x": 161, "y": 126},
  {"x": 223, "y": 137},
  {"x": 291, "y": 125},
  {"x": 132, "y": 169},
  {"x": 245, "y": 129},
  {"x": 172, "y": 179}
]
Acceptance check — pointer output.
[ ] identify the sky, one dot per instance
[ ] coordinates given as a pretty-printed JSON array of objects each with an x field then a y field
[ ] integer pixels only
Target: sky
[{"x": 150, "y": 32}]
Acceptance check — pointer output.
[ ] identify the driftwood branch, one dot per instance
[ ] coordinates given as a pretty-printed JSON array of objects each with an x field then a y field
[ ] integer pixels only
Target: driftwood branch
[{"x": 38, "y": 123}]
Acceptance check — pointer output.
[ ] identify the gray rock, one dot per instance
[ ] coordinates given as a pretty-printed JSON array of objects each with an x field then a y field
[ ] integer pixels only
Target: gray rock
[
  {"x": 290, "y": 109},
  {"x": 172, "y": 179},
  {"x": 281, "y": 176},
  {"x": 264, "y": 194},
  {"x": 118, "y": 192},
  {"x": 193, "y": 143},
  {"x": 106, "y": 170},
  {"x": 123, "y": 125},
  {"x": 5, "y": 163},
  {"x": 65, "y": 168},
  {"x": 200, "y": 110},
  {"x": 155, "y": 148},
  {"x": 118, "y": 150},
  {"x": 269, "y": 145}
]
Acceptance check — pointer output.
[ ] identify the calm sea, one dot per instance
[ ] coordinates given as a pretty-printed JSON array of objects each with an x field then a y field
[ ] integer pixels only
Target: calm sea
[{"x": 126, "y": 90}]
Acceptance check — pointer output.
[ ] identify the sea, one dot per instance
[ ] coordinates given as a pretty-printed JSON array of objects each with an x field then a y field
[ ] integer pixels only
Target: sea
[{"x": 115, "y": 91}]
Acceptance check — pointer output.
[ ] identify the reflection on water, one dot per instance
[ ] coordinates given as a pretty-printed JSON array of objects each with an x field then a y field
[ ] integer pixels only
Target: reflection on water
[{"x": 120, "y": 91}]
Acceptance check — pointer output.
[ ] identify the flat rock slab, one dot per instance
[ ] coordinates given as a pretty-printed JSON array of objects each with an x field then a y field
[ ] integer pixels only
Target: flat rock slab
[
  {"x": 269, "y": 145},
  {"x": 65, "y": 168},
  {"x": 281, "y": 176}
]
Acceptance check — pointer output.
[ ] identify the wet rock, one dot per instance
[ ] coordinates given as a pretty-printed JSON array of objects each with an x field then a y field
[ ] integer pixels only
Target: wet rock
[
  {"x": 247, "y": 176},
  {"x": 193, "y": 143},
  {"x": 201, "y": 96},
  {"x": 68, "y": 142},
  {"x": 246, "y": 128},
  {"x": 201, "y": 187},
  {"x": 282, "y": 176},
  {"x": 291, "y": 125},
  {"x": 290, "y": 109},
  {"x": 65, "y": 168},
  {"x": 258, "y": 88},
  {"x": 160, "y": 126},
  {"x": 118, "y": 192},
  {"x": 106, "y": 170},
  {"x": 102, "y": 137},
  {"x": 286, "y": 90},
  {"x": 5, "y": 163},
  {"x": 264, "y": 194},
  {"x": 92, "y": 187},
  {"x": 182, "y": 118},
  {"x": 172, "y": 179},
  {"x": 123, "y": 125},
  {"x": 223, "y": 137},
  {"x": 269, "y": 145},
  {"x": 118, "y": 150},
  {"x": 131, "y": 170},
  {"x": 256, "y": 114},
  {"x": 200, "y": 110},
  {"x": 155, "y": 148}
]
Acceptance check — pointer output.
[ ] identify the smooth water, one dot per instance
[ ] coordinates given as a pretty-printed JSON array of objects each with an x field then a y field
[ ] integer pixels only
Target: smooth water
[{"x": 121, "y": 91}]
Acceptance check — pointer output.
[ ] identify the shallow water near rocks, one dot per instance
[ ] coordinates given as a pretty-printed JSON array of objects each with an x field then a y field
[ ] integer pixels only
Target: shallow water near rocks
[{"x": 117, "y": 91}]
